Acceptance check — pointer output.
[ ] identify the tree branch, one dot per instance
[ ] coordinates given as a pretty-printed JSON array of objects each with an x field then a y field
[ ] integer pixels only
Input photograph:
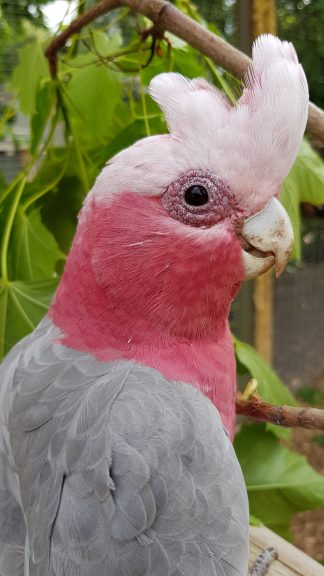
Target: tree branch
[
  {"x": 287, "y": 416},
  {"x": 167, "y": 17}
]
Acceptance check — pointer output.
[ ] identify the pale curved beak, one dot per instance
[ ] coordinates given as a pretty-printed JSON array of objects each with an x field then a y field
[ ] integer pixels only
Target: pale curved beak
[{"x": 268, "y": 239}]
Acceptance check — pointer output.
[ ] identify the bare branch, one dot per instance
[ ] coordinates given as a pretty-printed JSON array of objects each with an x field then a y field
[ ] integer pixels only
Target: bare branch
[
  {"x": 287, "y": 416},
  {"x": 166, "y": 17}
]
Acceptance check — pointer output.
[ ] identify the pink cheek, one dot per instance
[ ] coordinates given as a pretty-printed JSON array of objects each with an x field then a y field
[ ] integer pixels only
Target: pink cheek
[{"x": 147, "y": 246}]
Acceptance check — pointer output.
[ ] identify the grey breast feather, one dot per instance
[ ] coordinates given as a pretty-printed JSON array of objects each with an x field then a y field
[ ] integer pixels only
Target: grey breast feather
[{"x": 119, "y": 472}]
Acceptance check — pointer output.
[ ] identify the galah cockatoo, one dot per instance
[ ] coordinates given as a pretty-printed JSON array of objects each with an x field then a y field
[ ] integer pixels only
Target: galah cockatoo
[{"x": 114, "y": 454}]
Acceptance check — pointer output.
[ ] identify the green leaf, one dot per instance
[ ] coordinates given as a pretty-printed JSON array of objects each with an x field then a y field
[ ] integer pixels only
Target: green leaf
[
  {"x": 157, "y": 66},
  {"x": 26, "y": 77},
  {"x": 270, "y": 387},
  {"x": 44, "y": 101},
  {"x": 310, "y": 395},
  {"x": 105, "y": 44},
  {"x": 189, "y": 62},
  {"x": 176, "y": 42},
  {"x": 304, "y": 183},
  {"x": 33, "y": 250},
  {"x": 62, "y": 223},
  {"x": 49, "y": 173},
  {"x": 185, "y": 61},
  {"x": 130, "y": 134},
  {"x": 255, "y": 521},
  {"x": 22, "y": 306},
  {"x": 93, "y": 94},
  {"x": 279, "y": 482},
  {"x": 319, "y": 440}
]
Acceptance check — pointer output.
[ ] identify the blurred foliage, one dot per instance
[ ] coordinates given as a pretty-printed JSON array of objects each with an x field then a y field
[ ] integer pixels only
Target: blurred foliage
[
  {"x": 299, "y": 21},
  {"x": 311, "y": 395},
  {"x": 302, "y": 22},
  {"x": 305, "y": 183},
  {"x": 19, "y": 20},
  {"x": 319, "y": 440},
  {"x": 279, "y": 482},
  {"x": 98, "y": 105},
  {"x": 17, "y": 12}
]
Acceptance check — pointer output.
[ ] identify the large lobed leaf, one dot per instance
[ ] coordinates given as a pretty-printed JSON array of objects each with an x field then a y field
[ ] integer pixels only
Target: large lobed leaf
[
  {"x": 304, "y": 183},
  {"x": 34, "y": 251},
  {"x": 91, "y": 97},
  {"x": 22, "y": 306},
  {"x": 27, "y": 75},
  {"x": 45, "y": 100},
  {"x": 279, "y": 482}
]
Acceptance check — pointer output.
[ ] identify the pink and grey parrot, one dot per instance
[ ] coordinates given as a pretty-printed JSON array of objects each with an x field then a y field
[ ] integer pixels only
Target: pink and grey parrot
[{"x": 117, "y": 412}]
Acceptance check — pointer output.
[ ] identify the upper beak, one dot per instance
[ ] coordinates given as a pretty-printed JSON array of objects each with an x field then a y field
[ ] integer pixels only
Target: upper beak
[{"x": 267, "y": 240}]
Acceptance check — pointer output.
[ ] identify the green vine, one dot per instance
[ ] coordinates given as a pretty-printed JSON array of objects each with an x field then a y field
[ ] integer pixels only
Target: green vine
[{"x": 8, "y": 228}]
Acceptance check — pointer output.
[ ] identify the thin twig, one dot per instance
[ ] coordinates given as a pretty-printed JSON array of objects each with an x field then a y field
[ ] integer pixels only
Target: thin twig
[
  {"x": 287, "y": 416},
  {"x": 167, "y": 17}
]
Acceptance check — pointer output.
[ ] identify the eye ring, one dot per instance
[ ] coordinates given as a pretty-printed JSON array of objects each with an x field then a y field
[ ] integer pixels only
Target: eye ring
[
  {"x": 196, "y": 195},
  {"x": 221, "y": 203}
]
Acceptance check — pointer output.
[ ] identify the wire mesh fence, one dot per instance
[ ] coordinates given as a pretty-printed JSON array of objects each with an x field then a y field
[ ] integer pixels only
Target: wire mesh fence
[
  {"x": 298, "y": 313},
  {"x": 298, "y": 319}
]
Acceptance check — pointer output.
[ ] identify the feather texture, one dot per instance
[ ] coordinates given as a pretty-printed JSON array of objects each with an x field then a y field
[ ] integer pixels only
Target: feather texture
[
  {"x": 251, "y": 146},
  {"x": 138, "y": 286},
  {"x": 121, "y": 472},
  {"x": 110, "y": 466}
]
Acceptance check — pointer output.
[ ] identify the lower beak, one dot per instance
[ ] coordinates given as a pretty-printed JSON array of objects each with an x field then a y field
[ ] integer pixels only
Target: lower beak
[{"x": 267, "y": 240}]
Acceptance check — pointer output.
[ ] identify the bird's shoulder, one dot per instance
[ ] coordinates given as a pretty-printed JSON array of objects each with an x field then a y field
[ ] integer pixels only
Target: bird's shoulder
[{"x": 117, "y": 462}]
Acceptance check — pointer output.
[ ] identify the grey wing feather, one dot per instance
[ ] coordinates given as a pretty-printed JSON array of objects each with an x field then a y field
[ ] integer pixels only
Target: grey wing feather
[
  {"x": 12, "y": 522},
  {"x": 120, "y": 472}
]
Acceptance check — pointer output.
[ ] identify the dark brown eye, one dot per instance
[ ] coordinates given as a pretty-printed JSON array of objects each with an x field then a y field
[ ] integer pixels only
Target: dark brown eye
[
  {"x": 199, "y": 198},
  {"x": 196, "y": 195}
]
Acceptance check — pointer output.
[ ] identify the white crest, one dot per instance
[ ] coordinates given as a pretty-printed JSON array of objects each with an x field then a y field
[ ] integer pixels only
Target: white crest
[{"x": 252, "y": 145}]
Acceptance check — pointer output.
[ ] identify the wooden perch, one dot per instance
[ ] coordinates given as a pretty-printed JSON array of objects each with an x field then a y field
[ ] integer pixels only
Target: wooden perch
[
  {"x": 291, "y": 561},
  {"x": 287, "y": 416},
  {"x": 167, "y": 17}
]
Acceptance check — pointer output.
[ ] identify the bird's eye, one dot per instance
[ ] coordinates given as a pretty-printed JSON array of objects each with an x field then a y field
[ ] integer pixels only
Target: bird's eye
[
  {"x": 199, "y": 198},
  {"x": 196, "y": 195}
]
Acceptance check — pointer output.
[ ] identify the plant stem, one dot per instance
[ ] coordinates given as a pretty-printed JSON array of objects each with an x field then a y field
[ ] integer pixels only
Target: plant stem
[
  {"x": 8, "y": 229},
  {"x": 12, "y": 185},
  {"x": 224, "y": 86},
  {"x": 83, "y": 171},
  {"x": 34, "y": 197},
  {"x": 50, "y": 134},
  {"x": 145, "y": 114}
]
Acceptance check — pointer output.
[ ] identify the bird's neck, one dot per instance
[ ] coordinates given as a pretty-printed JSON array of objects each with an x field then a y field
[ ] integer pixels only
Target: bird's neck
[{"x": 110, "y": 322}]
